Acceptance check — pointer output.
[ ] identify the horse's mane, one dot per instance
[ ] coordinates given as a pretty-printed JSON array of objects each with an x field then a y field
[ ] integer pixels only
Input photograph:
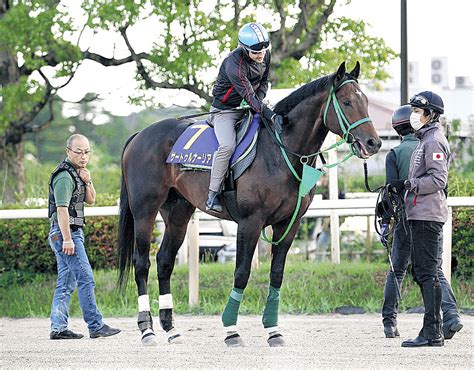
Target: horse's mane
[{"x": 285, "y": 105}]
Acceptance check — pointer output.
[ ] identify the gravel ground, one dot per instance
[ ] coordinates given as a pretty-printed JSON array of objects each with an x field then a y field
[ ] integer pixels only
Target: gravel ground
[{"x": 323, "y": 341}]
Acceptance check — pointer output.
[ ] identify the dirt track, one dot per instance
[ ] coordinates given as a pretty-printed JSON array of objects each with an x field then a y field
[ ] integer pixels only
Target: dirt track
[{"x": 330, "y": 341}]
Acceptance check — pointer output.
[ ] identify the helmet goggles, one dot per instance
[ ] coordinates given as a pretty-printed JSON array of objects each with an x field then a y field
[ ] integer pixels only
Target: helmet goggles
[
  {"x": 419, "y": 101},
  {"x": 258, "y": 48}
]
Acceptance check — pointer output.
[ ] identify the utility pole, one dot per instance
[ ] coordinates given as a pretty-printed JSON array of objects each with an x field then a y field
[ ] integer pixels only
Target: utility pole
[{"x": 403, "y": 54}]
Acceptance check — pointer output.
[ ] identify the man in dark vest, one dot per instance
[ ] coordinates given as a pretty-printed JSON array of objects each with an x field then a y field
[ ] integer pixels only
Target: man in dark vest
[{"x": 70, "y": 186}]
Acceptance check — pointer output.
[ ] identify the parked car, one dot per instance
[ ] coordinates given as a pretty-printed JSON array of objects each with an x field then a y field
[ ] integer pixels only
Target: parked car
[{"x": 217, "y": 240}]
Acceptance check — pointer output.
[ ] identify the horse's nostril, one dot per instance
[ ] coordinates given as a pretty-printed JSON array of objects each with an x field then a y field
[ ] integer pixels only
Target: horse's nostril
[{"x": 371, "y": 143}]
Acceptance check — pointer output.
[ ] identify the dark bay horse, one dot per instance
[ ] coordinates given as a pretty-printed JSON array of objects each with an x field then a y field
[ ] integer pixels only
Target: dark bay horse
[{"x": 267, "y": 194}]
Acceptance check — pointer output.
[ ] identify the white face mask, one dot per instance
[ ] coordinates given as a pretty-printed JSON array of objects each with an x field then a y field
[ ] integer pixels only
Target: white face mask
[{"x": 415, "y": 121}]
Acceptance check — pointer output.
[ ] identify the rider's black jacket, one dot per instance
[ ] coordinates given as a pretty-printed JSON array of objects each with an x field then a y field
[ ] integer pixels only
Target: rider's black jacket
[{"x": 241, "y": 78}]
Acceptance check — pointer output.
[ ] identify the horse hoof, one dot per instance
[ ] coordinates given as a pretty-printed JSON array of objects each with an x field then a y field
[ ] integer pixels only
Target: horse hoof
[
  {"x": 150, "y": 341},
  {"x": 276, "y": 341},
  {"x": 234, "y": 340},
  {"x": 175, "y": 339}
]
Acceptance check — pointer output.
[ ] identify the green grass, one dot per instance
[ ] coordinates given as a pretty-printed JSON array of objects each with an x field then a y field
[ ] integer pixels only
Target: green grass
[{"x": 308, "y": 288}]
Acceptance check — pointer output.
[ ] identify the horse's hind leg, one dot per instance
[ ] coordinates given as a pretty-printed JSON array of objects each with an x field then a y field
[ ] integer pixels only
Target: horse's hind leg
[
  {"x": 279, "y": 253},
  {"x": 144, "y": 224},
  {"x": 176, "y": 214}
]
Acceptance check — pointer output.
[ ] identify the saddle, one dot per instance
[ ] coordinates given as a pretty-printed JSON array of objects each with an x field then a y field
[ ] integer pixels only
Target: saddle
[{"x": 195, "y": 147}]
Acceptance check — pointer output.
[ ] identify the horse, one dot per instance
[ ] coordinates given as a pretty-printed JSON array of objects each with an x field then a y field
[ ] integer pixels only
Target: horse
[{"x": 266, "y": 194}]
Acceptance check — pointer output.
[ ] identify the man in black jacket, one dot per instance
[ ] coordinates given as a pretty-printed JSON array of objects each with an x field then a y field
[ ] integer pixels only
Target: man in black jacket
[{"x": 243, "y": 76}]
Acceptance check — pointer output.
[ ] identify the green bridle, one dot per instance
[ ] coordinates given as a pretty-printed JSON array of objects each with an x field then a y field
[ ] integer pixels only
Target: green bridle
[{"x": 344, "y": 124}]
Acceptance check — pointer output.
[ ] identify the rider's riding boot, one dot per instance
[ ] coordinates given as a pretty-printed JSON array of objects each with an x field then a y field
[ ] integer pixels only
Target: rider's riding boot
[{"x": 213, "y": 203}]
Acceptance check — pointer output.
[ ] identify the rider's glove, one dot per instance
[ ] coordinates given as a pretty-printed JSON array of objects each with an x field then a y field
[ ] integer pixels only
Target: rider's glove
[
  {"x": 275, "y": 118},
  {"x": 278, "y": 122}
]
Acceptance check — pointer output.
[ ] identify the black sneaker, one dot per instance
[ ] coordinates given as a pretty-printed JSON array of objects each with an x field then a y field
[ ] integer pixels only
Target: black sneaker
[
  {"x": 391, "y": 331},
  {"x": 66, "y": 334},
  {"x": 105, "y": 331}
]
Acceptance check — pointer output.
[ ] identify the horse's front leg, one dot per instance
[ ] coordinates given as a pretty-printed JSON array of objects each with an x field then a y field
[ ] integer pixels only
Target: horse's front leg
[
  {"x": 279, "y": 253},
  {"x": 247, "y": 237}
]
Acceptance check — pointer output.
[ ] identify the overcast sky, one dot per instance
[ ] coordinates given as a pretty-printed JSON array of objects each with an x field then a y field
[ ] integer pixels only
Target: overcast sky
[{"x": 436, "y": 28}]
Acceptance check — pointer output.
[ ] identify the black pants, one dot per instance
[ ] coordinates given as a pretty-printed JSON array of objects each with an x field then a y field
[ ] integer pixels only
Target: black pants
[
  {"x": 401, "y": 255},
  {"x": 427, "y": 239}
]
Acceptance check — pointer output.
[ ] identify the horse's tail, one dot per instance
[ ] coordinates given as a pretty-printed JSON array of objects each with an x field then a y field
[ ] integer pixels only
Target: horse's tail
[{"x": 126, "y": 242}]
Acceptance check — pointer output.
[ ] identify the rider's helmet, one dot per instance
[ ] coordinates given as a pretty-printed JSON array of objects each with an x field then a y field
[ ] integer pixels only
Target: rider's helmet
[
  {"x": 428, "y": 100},
  {"x": 254, "y": 37},
  {"x": 401, "y": 120}
]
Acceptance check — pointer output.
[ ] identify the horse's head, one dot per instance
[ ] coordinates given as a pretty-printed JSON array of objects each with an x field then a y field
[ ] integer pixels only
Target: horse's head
[{"x": 346, "y": 113}]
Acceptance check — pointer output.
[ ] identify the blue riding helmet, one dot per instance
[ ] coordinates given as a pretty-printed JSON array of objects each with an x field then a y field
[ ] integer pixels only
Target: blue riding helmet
[
  {"x": 428, "y": 100},
  {"x": 254, "y": 37}
]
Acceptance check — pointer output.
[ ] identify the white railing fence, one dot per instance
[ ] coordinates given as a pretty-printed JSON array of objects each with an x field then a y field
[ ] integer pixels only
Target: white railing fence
[{"x": 318, "y": 208}]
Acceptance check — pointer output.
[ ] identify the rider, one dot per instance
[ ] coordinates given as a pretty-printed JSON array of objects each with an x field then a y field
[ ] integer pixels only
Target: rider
[
  {"x": 243, "y": 76},
  {"x": 427, "y": 211},
  {"x": 396, "y": 166}
]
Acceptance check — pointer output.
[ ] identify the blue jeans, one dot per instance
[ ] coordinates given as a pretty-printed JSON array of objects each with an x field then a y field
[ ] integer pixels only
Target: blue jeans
[
  {"x": 401, "y": 254},
  {"x": 73, "y": 270}
]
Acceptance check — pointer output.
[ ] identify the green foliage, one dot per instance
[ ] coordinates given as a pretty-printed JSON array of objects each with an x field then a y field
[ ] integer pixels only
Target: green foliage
[
  {"x": 24, "y": 245},
  {"x": 31, "y": 30},
  {"x": 308, "y": 288},
  {"x": 343, "y": 39},
  {"x": 463, "y": 243},
  {"x": 19, "y": 99},
  {"x": 460, "y": 185}
]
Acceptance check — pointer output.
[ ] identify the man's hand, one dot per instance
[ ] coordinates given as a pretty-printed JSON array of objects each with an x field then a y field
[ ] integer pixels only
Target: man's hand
[
  {"x": 85, "y": 175},
  {"x": 68, "y": 247},
  {"x": 384, "y": 234}
]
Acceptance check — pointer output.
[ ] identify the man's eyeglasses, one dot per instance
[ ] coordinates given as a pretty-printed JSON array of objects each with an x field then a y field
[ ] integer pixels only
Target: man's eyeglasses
[
  {"x": 80, "y": 152},
  {"x": 419, "y": 100}
]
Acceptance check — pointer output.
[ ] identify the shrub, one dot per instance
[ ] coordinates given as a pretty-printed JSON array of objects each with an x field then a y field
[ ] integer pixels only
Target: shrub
[
  {"x": 24, "y": 245},
  {"x": 463, "y": 243}
]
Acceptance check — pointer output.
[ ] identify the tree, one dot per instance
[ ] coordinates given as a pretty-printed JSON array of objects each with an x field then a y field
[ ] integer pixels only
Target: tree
[{"x": 39, "y": 51}]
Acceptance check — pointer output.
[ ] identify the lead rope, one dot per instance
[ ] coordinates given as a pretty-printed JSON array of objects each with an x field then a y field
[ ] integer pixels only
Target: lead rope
[{"x": 393, "y": 205}]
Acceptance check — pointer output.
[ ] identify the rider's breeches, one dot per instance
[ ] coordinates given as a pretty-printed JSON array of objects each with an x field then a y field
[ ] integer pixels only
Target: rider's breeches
[{"x": 224, "y": 126}]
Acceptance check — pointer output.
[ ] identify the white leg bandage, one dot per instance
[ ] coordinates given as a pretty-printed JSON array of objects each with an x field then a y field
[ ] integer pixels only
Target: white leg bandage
[
  {"x": 232, "y": 329},
  {"x": 165, "y": 301},
  {"x": 143, "y": 303},
  {"x": 273, "y": 330}
]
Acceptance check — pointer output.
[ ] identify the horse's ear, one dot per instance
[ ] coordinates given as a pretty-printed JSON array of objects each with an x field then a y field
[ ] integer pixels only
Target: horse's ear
[
  {"x": 356, "y": 71},
  {"x": 341, "y": 72}
]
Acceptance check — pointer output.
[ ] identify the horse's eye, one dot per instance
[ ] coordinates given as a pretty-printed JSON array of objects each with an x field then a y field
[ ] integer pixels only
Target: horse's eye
[{"x": 347, "y": 103}]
